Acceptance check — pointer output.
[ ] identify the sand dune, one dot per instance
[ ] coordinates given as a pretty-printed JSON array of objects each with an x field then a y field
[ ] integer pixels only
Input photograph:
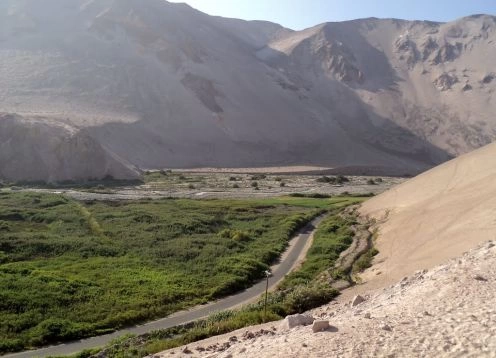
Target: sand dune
[{"x": 436, "y": 216}]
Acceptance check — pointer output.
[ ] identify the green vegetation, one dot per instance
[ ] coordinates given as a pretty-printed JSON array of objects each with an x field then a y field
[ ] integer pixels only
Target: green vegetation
[
  {"x": 301, "y": 290},
  {"x": 340, "y": 179},
  {"x": 70, "y": 269},
  {"x": 258, "y": 177},
  {"x": 364, "y": 261}
]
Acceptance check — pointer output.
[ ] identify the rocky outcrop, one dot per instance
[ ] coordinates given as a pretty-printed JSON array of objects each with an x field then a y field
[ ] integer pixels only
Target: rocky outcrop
[
  {"x": 39, "y": 149},
  {"x": 445, "y": 81}
]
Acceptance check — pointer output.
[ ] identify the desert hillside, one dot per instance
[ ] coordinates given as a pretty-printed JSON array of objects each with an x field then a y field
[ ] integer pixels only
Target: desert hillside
[
  {"x": 444, "y": 312},
  {"x": 151, "y": 84},
  {"x": 436, "y": 216}
]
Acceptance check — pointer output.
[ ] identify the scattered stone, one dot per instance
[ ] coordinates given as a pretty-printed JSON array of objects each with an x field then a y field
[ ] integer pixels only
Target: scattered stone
[
  {"x": 357, "y": 300},
  {"x": 386, "y": 328},
  {"x": 296, "y": 320},
  {"x": 248, "y": 335},
  {"x": 233, "y": 339},
  {"x": 304, "y": 345},
  {"x": 242, "y": 350},
  {"x": 319, "y": 326},
  {"x": 367, "y": 315},
  {"x": 480, "y": 278},
  {"x": 186, "y": 350},
  {"x": 200, "y": 349},
  {"x": 487, "y": 79}
]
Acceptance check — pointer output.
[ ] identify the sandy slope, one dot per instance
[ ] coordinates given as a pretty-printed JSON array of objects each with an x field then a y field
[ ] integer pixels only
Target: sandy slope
[
  {"x": 445, "y": 312},
  {"x": 435, "y": 216}
]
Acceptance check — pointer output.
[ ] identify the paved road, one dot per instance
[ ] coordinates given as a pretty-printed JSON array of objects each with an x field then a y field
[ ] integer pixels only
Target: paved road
[{"x": 289, "y": 260}]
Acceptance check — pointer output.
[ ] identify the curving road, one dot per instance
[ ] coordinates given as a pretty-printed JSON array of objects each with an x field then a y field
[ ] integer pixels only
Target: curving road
[{"x": 296, "y": 251}]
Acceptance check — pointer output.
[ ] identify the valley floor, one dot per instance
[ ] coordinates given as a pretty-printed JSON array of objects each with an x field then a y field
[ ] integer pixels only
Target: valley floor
[{"x": 447, "y": 311}]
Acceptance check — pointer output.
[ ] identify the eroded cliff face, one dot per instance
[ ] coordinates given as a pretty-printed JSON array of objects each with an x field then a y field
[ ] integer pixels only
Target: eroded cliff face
[
  {"x": 150, "y": 84},
  {"x": 33, "y": 149}
]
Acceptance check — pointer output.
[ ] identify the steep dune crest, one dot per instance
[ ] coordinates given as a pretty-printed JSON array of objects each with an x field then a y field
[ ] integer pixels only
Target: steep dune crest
[{"x": 438, "y": 215}]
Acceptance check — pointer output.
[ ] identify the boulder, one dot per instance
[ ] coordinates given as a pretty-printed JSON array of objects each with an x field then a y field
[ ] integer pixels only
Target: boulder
[
  {"x": 296, "y": 320},
  {"x": 357, "y": 300},
  {"x": 320, "y": 325}
]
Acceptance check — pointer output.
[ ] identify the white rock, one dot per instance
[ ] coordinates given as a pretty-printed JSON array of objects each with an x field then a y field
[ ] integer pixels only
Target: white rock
[
  {"x": 357, "y": 300},
  {"x": 296, "y": 320},
  {"x": 320, "y": 325}
]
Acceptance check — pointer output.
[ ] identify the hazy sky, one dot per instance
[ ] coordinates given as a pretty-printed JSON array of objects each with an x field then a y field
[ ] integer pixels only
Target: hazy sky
[{"x": 298, "y": 14}]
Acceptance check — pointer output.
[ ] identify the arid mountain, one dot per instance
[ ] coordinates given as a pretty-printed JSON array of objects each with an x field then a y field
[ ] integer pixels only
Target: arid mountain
[{"x": 105, "y": 87}]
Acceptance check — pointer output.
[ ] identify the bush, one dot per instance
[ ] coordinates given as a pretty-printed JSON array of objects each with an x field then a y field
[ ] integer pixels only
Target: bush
[
  {"x": 191, "y": 186},
  {"x": 378, "y": 180},
  {"x": 371, "y": 182},
  {"x": 4, "y": 226},
  {"x": 365, "y": 261},
  {"x": 278, "y": 179},
  {"x": 235, "y": 186},
  {"x": 340, "y": 179},
  {"x": 303, "y": 298},
  {"x": 232, "y": 179},
  {"x": 282, "y": 184},
  {"x": 258, "y": 177},
  {"x": 254, "y": 184}
]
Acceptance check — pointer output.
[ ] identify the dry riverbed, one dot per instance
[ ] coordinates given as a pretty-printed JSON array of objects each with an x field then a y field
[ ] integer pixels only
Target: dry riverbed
[{"x": 211, "y": 184}]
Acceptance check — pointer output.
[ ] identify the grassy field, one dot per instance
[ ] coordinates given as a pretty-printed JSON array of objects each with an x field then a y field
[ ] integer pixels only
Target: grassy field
[
  {"x": 70, "y": 269},
  {"x": 301, "y": 290}
]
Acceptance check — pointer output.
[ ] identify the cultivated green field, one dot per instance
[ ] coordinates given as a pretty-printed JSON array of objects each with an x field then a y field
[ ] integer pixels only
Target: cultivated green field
[
  {"x": 301, "y": 290},
  {"x": 70, "y": 269}
]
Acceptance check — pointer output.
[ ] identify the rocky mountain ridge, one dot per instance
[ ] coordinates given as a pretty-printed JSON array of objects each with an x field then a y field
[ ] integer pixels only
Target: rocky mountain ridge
[{"x": 151, "y": 84}]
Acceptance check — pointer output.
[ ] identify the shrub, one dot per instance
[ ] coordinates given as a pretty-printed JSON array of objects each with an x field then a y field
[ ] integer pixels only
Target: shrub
[
  {"x": 235, "y": 235},
  {"x": 254, "y": 184},
  {"x": 365, "y": 261},
  {"x": 282, "y": 184},
  {"x": 323, "y": 179},
  {"x": 232, "y": 179},
  {"x": 191, "y": 186},
  {"x": 303, "y": 298},
  {"x": 278, "y": 179},
  {"x": 235, "y": 186},
  {"x": 371, "y": 182},
  {"x": 378, "y": 180},
  {"x": 4, "y": 226},
  {"x": 258, "y": 177},
  {"x": 340, "y": 179}
]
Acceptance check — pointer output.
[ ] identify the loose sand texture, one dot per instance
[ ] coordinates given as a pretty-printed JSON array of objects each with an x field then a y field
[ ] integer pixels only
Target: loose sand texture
[{"x": 433, "y": 217}]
